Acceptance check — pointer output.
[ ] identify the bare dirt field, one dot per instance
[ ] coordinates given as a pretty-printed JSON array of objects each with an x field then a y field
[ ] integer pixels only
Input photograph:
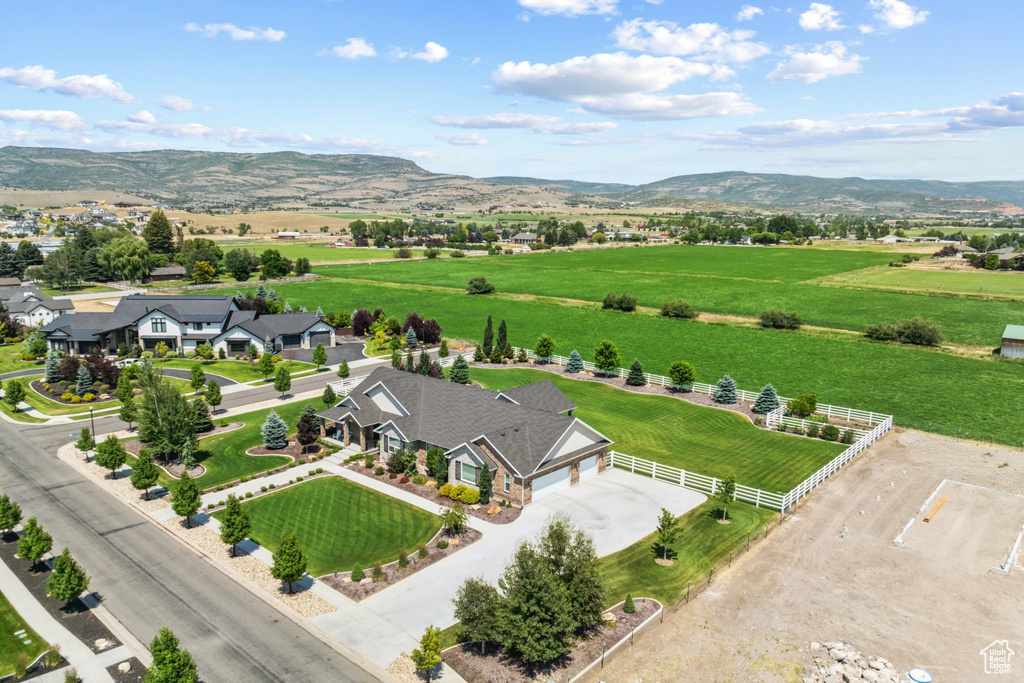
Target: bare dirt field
[{"x": 935, "y": 603}]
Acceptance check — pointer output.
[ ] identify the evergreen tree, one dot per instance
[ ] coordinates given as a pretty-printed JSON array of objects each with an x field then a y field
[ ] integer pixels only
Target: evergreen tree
[
  {"x": 68, "y": 579},
  {"x": 268, "y": 346},
  {"x": 266, "y": 365},
  {"x": 85, "y": 442},
  {"x": 261, "y": 291},
  {"x": 410, "y": 338},
  {"x": 428, "y": 654},
  {"x": 171, "y": 663},
  {"x": 329, "y": 398},
  {"x": 186, "y": 498},
  {"x": 213, "y": 396},
  {"x": 234, "y": 524},
  {"x": 289, "y": 561},
  {"x": 409, "y": 363},
  {"x": 544, "y": 348},
  {"x": 14, "y": 392},
  {"x": 202, "y": 420},
  {"x": 158, "y": 234},
  {"x": 459, "y": 372},
  {"x": 575, "y": 363},
  {"x": 282, "y": 380},
  {"x": 166, "y": 418},
  {"x": 423, "y": 364},
  {"x": 442, "y": 352},
  {"x": 629, "y": 607},
  {"x": 767, "y": 400},
  {"x": 51, "y": 373},
  {"x": 10, "y": 514},
  {"x": 357, "y": 574},
  {"x": 488, "y": 344},
  {"x": 535, "y": 621},
  {"x": 502, "y": 341},
  {"x": 726, "y": 391},
  {"x": 478, "y": 355},
  {"x": 319, "y": 356},
  {"x": 111, "y": 455},
  {"x": 343, "y": 371},
  {"x": 34, "y": 542},
  {"x": 145, "y": 474},
  {"x": 275, "y": 432},
  {"x": 485, "y": 484},
  {"x": 83, "y": 385},
  {"x": 124, "y": 388},
  {"x": 319, "y": 313},
  {"x": 197, "y": 378},
  {"x": 496, "y": 355},
  {"x": 636, "y": 378}
]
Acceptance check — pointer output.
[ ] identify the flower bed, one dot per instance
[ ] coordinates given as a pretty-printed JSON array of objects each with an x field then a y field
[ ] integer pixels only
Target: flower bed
[{"x": 58, "y": 390}]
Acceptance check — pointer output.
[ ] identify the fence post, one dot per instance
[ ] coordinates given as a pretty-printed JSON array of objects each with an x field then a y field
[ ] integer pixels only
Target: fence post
[
  {"x": 714, "y": 484},
  {"x": 654, "y": 470},
  {"x": 682, "y": 478},
  {"x": 757, "y": 503}
]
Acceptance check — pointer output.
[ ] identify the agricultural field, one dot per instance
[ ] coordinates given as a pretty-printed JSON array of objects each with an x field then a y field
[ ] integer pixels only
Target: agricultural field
[
  {"x": 914, "y": 385},
  {"x": 316, "y": 252},
  {"x": 340, "y": 523},
  {"x": 977, "y": 283},
  {"x": 708, "y": 441},
  {"x": 10, "y": 644}
]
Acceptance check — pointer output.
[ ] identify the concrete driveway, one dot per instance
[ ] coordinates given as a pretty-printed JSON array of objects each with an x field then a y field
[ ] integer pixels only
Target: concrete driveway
[
  {"x": 617, "y": 508},
  {"x": 349, "y": 351}
]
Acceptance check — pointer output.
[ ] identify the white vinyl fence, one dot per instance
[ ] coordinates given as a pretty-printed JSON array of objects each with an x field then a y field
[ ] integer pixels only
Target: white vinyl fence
[{"x": 344, "y": 387}]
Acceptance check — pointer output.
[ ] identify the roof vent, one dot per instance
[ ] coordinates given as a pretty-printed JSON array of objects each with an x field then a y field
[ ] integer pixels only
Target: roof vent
[
  {"x": 515, "y": 429},
  {"x": 502, "y": 433}
]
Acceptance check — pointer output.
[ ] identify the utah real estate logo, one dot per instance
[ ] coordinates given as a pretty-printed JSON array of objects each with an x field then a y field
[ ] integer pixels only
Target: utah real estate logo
[{"x": 997, "y": 657}]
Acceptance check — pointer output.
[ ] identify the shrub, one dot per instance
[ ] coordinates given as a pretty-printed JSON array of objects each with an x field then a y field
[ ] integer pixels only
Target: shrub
[
  {"x": 67, "y": 396},
  {"x": 445, "y": 490},
  {"x": 432, "y": 253},
  {"x": 804, "y": 405},
  {"x": 220, "y": 487},
  {"x": 781, "y": 427},
  {"x": 403, "y": 559},
  {"x": 848, "y": 437},
  {"x": 357, "y": 574},
  {"x": 379, "y": 471},
  {"x": 302, "y": 461},
  {"x": 625, "y": 303},
  {"x": 457, "y": 492},
  {"x": 813, "y": 429},
  {"x": 403, "y": 480},
  {"x": 311, "y": 472},
  {"x": 419, "y": 480},
  {"x": 393, "y": 475},
  {"x": 881, "y": 332},
  {"x": 76, "y": 399},
  {"x": 830, "y": 433},
  {"x": 919, "y": 331},
  {"x": 368, "y": 462},
  {"x": 470, "y": 496},
  {"x": 441, "y": 545},
  {"x": 209, "y": 506},
  {"x": 270, "y": 486},
  {"x": 403, "y": 252},
  {"x": 396, "y": 462},
  {"x": 629, "y": 607},
  {"x": 248, "y": 494},
  {"x": 422, "y": 552},
  {"x": 678, "y": 309},
  {"x": 298, "y": 478},
  {"x": 378, "y": 571},
  {"x": 779, "y": 320},
  {"x": 319, "y": 470},
  {"x": 479, "y": 285},
  {"x": 263, "y": 489},
  {"x": 458, "y": 254}
]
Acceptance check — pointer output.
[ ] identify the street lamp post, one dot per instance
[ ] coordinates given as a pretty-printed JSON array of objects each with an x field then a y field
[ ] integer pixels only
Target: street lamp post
[{"x": 92, "y": 422}]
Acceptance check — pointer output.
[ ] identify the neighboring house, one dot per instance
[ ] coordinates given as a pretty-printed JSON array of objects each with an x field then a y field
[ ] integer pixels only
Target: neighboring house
[
  {"x": 524, "y": 238},
  {"x": 183, "y": 323},
  {"x": 9, "y": 282},
  {"x": 29, "y": 307},
  {"x": 527, "y": 436},
  {"x": 166, "y": 273},
  {"x": 1013, "y": 342},
  {"x": 285, "y": 235}
]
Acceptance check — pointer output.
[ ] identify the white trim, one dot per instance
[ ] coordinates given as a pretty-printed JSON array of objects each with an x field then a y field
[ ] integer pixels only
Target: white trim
[
  {"x": 379, "y": 430},
  {"x": 558, "y": 442},
  {"x": 384, "y": 387},
  {"x": 507, "y": 398}
]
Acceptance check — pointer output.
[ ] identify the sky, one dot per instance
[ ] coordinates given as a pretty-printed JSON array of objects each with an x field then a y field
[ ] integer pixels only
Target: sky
[{"x": 628, "y": 91}]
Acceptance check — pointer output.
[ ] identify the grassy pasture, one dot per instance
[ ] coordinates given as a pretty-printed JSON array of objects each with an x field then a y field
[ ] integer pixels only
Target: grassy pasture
[
  {"x": 696, "y": 438},
  {"x": 974, "y": 282},
  {"x": 340, "y": 523},
  {"x": 316, "y": 252}
]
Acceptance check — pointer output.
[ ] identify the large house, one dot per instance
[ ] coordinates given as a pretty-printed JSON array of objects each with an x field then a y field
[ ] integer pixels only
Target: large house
[
  {"x": 183, "y": 323},
  {"x": 527, "y": 436},
  {"x": 28, "y": 306}
]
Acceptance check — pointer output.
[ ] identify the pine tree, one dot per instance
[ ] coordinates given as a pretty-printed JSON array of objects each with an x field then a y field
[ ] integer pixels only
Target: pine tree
[
  {"x": 488, "y": 344},
  {"x": 186, "y": 498},
  {"x": 629, "y": 607},
  {"x": 213, "y": 396},
  {"x": 767, "y": 400},
  {"x": 234, "y": 524},
  {"x": 319, "y": 356},
  {"x": 197, "y": 378},
  {"x": 83, "y": 385},
  {"x": 145, "y": 474},
  {"x": 261, "y": 291},
  {"x": 478, "y": 355},
  {"x": 202, "y": 420},
  {"x": 502, "y": 336},
  {"x": 357, "y": 574},
  {"x": 287, "y": 307},
  {"x": 319, "y": 313},
  {"x": 443, "y": 351},
  {"x": 158, "y": 234},
  {"x": 268, "y": 346},
  {"x": 726, "y": 391},
  {"x": 575, "y": 363},
  {"x": 275, "y": 432},
  {"x": 282, "y": 380},
  {"x": 171, "y": 663},
  {"x": 34, "y": 542},
  {"x": 68, "y": 579},
  {"x": 10, "y": 514},
  {"x": 485, "y": 484},
  {"x": 289, "y": 561},
  {"x": 343, "y": 371},
  {"x": 459, "y": 372},
  {"x": 329, "y": 398},
  {"x": 14, "y": 392},
  {"x": 111, "y": 455},
  {"x": 636, "y": 378},
  {"x": 428, "y": 654},
  {"x": 410, "y": 338},
  {"x": 423, "y": 364},
  {"x": 51, "y": 373},
  {"x": 409, "y": 363}
]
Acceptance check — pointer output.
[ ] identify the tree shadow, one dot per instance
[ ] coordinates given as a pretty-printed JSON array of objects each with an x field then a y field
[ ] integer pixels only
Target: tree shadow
[
  {"x": 659, "y": 551},
  {"x": 717, "y": 514}
]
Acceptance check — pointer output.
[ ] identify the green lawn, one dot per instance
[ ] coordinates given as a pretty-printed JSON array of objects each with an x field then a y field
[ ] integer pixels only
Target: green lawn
[
  {"x": 78, "y": 289},
  {"x": 316, "y": 252},
  {"x": 240, "y": 371},
  {"x": 10, "y": 645},
  {"x": 10, "y": 358},
  {"x": 699, "y": 439},
  {"x": 54, "y": 408},
  {"x": 340, "y": 523},
  {"x": 703, "y": 543},
  {"x": 1007, "y": 283}
]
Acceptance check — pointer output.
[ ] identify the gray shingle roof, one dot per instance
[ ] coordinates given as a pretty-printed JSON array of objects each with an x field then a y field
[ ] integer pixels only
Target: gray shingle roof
[
  {"x": 185, "y": 308},
  {"x": 541, "y": 396}
]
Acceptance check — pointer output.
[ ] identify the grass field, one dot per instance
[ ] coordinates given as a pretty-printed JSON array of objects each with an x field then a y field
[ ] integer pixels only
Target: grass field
[
  {"x": 340, "y": 523},
  {"x": 11, "y": 645},
  {"x": 316, "y": 252},
  {"x": 974, "y": 282},
  {"x": 77, "y": 289},
  {"x": 240, "y": 371},
  {"x": 10, "y": 358},
  {"x": 713, "y": 279},
  {"x": 703, "y": 544},
  {"x": 696, "y": 438}
]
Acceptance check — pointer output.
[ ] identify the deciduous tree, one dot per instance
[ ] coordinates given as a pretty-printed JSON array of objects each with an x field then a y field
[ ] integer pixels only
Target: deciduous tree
[
  {"x": 725, "y": 493},
  {"x": 213, "y": 396},
  {"x": 668, "y": 531},
  {"x": 319, "y": 356},
  {"x": 682, "y": 374},
  {"x": 10, "y": 514},
  {"x": 234, "y": 524},
  {"x": 186, "y": 498},
  {"x": 289, "y": 561},
  {"x": 171, "y": 663},
  {"x": 606, "y": 357},
  {"x": 197, "y": 378},
  {"x": 477, "y": 608},
  {"x": 14, "y": 392},
  {"x": 111, "y": 455},
  {"x": 34, "y": 542},
  {"x": 428, "y": 654},
  {"x": 68, "y": 579},
  {"x": 145, "y": 473},
  {"x": 282, "y": 380}
]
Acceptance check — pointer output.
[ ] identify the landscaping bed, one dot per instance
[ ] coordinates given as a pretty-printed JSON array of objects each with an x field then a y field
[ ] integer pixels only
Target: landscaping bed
[
  {"x": 293, "y": 450},
  {"x": 506, "y": 515},
  {"x": 175, "y": 469},
  {"x": 57, "y": 390},
  {"x": 392, "y": 574},
  {"x": 499, "y": 666}
]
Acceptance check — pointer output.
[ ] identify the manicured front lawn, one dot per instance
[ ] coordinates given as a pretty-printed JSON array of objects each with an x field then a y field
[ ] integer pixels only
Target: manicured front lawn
[
  {"x": 10, "y": 644},
  {"x": 50, "y": 407},
  {"x": 238, "y": 370},
  {"x": 703, "y": 543},
  {"x": 699, "y": 439},
  {"x": 340, "y": 523},
  {"x": 10, "y": 358}
]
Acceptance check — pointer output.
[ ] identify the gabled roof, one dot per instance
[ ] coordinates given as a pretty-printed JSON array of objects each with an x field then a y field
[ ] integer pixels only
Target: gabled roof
[
  {"x": 276, "y": 324},
  {"x": 78, "y": 326},
  {"x": 184, "y": 308},
  {"x": 540, "y": 396},
  {"x": 1015, "y": 332}
]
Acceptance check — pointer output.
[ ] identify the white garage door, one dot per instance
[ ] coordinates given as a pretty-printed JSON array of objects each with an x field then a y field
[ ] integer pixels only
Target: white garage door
[
  {"x": 588, "y": 468},
  {"x": 551, "y": 483}
]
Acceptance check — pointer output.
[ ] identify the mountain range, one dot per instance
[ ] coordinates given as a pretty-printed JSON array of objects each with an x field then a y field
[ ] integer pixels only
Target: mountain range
[{"x": 198, "y": 177}]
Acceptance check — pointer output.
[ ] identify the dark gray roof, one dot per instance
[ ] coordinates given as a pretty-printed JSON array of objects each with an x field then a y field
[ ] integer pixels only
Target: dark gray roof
[
  {"x": 10, "y": 293},
  {"x": 167, "y": 270},
  {"x": 280, "y": 323},
  {"x": 541, "y": 396},
  {"x": 183, "y": 308},
  {"x": 78, "y": 326},
  {"x": 449, "y": 414}
]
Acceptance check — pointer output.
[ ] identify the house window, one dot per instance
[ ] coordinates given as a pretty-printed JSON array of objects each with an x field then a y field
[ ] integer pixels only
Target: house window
[
  {"x": 159, "y": 325},
  {"x": 508, "y": 482},
  {"x": 394, "y": 444},
  {"x": 469, "y": 474},
  {"x": 198, "y": 327}
]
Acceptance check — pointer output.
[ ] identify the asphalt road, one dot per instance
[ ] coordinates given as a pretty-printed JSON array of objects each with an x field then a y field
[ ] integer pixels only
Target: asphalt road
[{"x": 147, "y": 580}]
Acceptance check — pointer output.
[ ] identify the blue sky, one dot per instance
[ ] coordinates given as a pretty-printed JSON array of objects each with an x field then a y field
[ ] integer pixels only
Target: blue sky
[{"x": 611, "y": 90}]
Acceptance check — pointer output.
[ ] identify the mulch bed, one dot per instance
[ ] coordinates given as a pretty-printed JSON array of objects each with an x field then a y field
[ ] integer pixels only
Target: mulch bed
[
  {"x": 392, "y": 574},
  {"x": 293, "y": 450},
  {"x": 37, "y": 386},
  {"x": 135, "y": 675},
  {"x": 499, "y": 666},
  {"x": 507, "y": 515},
  {"x": 76, "y": 617}
]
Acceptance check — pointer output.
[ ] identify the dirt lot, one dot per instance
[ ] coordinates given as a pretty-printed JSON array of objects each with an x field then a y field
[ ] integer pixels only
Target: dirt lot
[{"x": 934, "y": 603}]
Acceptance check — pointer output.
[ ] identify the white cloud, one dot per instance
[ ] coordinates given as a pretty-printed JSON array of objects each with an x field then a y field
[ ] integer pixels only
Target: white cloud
[
  {"x": 354, "y": 48},
  {"x": 236, "y": 33},
  {"x": 462, "y": 139},
  {"x": 570, "y": 8},
  {"x": 705, "y": 41},
  {"x": 142, "y": 117},
  {"x": 432, "y": 52},
  {"x": 47, "y": 118},
  {"x": 825, "y": 61},
  {"x": 748, "y": 12},
  {"x": 538, "y": 123},
  {"x": 866, "y": 28},
  {"x": 896, "y": 14},
  {"x": 654, "y": 107},
  {"x": 40, "y": 78},
  {"x": 176, "y": 103},
  {"x": 820, "y": 16},
  {"x": 582, "y": 128}
]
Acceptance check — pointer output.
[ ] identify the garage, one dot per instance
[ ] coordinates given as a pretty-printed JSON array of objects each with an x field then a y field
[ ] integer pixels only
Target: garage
[
  {"x": 550, "y": 483},
  {"x": 319, "y": 338},
  {"x": 292, "y": 341},
  {"x": 588, "y": 467}
]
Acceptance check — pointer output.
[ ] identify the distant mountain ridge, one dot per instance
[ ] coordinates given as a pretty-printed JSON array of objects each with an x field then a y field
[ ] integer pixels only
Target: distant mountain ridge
[{"x": 197, "y": 177}]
